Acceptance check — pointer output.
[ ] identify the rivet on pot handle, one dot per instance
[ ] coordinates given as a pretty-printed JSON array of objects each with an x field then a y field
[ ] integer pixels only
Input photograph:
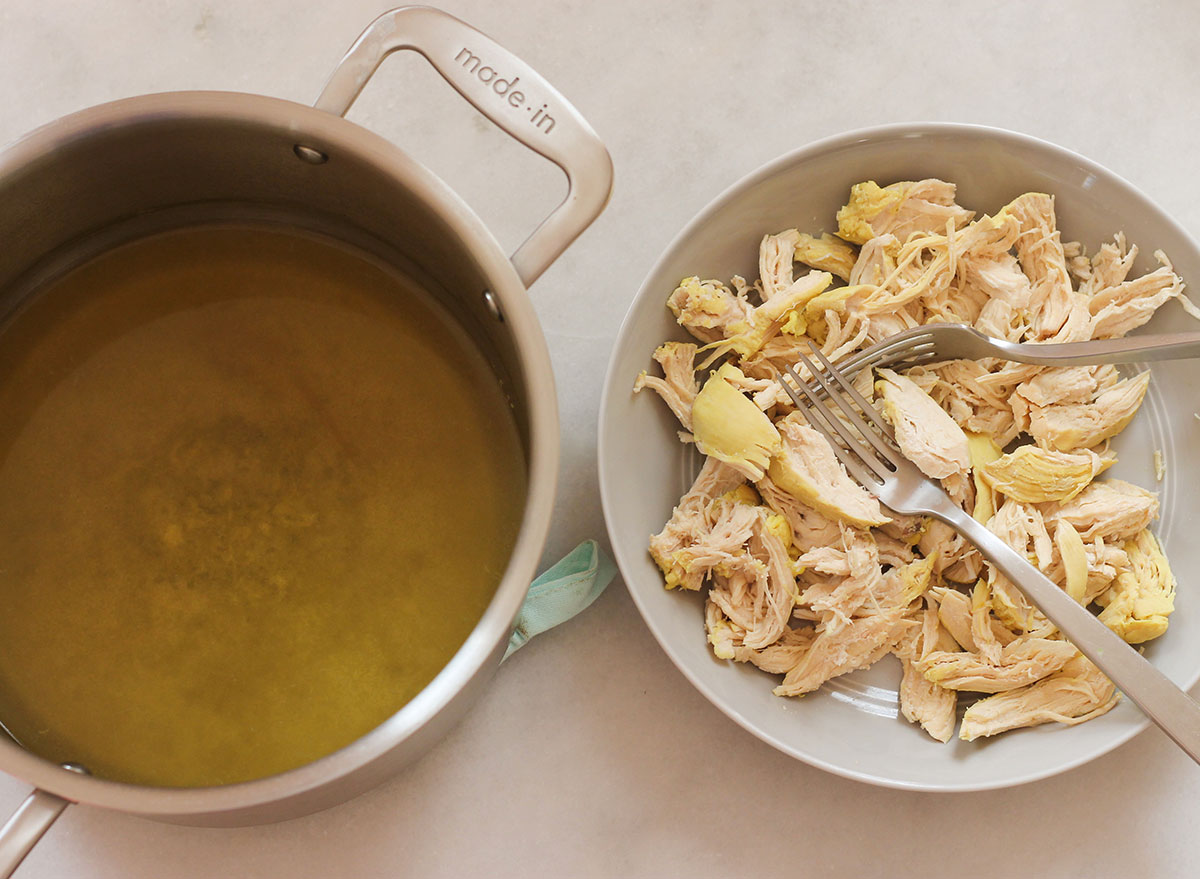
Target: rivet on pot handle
[{"x": 507, "y": 91}]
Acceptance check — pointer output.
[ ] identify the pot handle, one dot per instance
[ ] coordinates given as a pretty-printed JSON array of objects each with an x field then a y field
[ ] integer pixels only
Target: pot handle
[
  {"x": 508, "y": 92},
  {"x": 26, "y": 827}
]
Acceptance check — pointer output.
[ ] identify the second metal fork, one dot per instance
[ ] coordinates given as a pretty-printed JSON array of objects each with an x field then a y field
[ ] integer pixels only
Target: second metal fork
[
  {"x": 937, "y": 343},
  {"x": 865, "y": 444}
]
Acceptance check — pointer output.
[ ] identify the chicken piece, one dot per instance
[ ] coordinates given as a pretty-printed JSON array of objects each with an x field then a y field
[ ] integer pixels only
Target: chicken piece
[
  {"x": 838, "y": 329},
  {"x": 726, "y": 639},
  {"x": 1022, "y": 527},
  {"x": 1109, "y": 508},
  {"x": 729, "y": 427},
  {"x": 760, "y": 380},
  {"x": 806, "y": 467},
  {"x": 923, "y": 276},
  {"x": 967, "y": 568},
  {"x": 1137, "y": 606},
  {"x": 678, "y": 385},
  {"x": 1001, "y": 379},
  {"x": 1109, "y": 267},
  {"x": 756, "y": 589},
  {"x": 883, "y": 622},
  {"x": 690, "y": 521},
  {"x": 1062, "y": 384},
  {"x": 957, "y": 616},
  {"x": 887, "y": 324},
  {"x": 708, "y": 310},
  {"x": 1057, "y": 312},
  {"x": 949, "y": 548},
  {"x": 857, "y": 566},
  {"x": 809, "y": 528},
  {"x": 1022, "y": 662},
  {"x": 856, "y": 646},
  {"x": 1070, "y": 426},
  {"x": 906, "y": 529},
  {"x": 1073, "y": 553},
  {"x": 961, "y": 489},
  {"x": 776, "y": 254},
  {"x": 1001, "y": 278},
  {"x": 768, "y": 319},
  {"x": 962, "y": 390},
  {"x": 722, "y": 544},
  {"x": 1126, "y": 306},
  {"x": 835, "y": 299},
  {"x": 1104, "y": 561},
  {"x": 842, "y": 337},
  {"x": 1078, "y": 263},
  {"x": 1078, "y": 692},
  {"x": 893, "y": 553},
  {"x": 899, "y": 209},
  {"x": 983, "y": 451},
  {"x": 1032, "y": 475},
  {"x": 1013, "y": 609},
  {"x": 927, "y": 436},
  {"x": 724, "y": 636},
  {"x": 922, "y": 701},
  {"x": 784, "y": 654},
  {"x": 989, "y": 647},
  {"x": 876, "y": 262},
  {"x": 956, "y": 302},
  {"x": 904, "y": 584},
  {"x": 998, "y": 318},
  {"x": 826, "y": 253},
  {"x": 1079, "y": 325},
  {"x": 853, "y": 545}
]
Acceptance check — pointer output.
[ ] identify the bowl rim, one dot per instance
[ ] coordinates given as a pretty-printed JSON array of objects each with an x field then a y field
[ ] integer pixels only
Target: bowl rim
[{"x": 889, "y": 131}]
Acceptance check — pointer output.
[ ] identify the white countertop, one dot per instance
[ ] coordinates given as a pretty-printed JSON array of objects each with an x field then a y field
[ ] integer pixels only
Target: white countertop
[{"x": 591, "y": 755}]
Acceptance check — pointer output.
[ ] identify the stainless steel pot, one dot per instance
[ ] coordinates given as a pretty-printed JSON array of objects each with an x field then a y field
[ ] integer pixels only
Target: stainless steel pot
[{"x": 91, "y": 180}]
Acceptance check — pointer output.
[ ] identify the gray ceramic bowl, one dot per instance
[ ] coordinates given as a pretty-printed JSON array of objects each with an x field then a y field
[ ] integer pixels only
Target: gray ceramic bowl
[{"x": 850, "y": 726}]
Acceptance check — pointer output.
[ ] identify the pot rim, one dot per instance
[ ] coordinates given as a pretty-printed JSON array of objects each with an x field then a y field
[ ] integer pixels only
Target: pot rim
[{"x": 320, "y": 129}]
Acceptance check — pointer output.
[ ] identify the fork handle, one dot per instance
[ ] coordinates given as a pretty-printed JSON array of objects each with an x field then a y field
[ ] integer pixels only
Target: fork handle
[
  {"x": 1172, "y": 709},
  {"x": 1130, "y": 349}
]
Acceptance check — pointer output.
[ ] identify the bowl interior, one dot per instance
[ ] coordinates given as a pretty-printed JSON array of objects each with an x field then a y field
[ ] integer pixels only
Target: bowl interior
[{"x": 851, "y": 726}]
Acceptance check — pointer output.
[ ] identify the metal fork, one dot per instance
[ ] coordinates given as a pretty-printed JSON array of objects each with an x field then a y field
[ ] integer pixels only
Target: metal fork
[
  {"x": 936, "y": 343},
  {"x": 873, "y": 458}
]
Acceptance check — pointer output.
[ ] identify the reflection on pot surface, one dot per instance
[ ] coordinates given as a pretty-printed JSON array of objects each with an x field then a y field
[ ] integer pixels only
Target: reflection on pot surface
[{"x": 255, "y": 491}]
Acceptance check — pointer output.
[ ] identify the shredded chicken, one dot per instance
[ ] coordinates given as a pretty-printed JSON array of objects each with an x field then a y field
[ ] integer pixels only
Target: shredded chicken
[
  {"x": 807, "y": 576},
  {"x": 1077, "y": 693},
  {"x": 925, "y": 433},
  {"x": 806, "y": 468},
  {"x": 1138, "y": 604},
  {"x": 921, "y": 700},
  {"x": 1109, "y": 508},
  {"x": 677, "y": 385}
]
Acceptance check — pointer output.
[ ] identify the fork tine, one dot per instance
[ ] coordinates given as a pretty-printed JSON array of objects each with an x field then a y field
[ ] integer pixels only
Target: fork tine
[
  {"x": 867, "y": 409},
  {"x": 911, "y": 346},
  {"x": 862, "y": 467},
  {"x": 885, "y": 452},
  {"x": 875, "y": 354},
  {"x": 902, "y": 359}
]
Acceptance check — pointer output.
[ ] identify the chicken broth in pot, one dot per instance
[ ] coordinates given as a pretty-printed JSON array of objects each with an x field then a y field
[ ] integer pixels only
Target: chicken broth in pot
[{"x": 256, "y": 489}]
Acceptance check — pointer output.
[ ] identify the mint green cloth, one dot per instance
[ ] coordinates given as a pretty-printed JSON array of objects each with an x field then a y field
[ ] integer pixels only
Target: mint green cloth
[{"x": 561, "y": 592}]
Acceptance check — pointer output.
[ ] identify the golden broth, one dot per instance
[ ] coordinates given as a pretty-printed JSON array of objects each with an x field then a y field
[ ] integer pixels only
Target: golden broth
[{"x": 255, "y": 492}]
